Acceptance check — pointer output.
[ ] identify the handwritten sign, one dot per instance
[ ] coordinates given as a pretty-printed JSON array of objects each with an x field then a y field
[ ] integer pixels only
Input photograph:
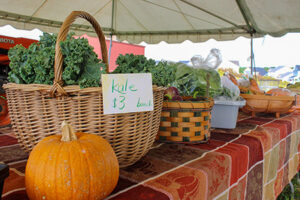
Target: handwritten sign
[{"x": 124, "y": 93}]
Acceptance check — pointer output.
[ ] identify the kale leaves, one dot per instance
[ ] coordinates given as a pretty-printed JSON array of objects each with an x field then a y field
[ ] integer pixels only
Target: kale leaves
[
  {"x": 81, "y": 65},
  {"x": 163, "y": 73}
]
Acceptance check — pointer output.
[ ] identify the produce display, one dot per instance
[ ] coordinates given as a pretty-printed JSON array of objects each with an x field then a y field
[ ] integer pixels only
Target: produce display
[
  {"x": 188, "y": 80},
  {"x": 34, "y": 65},
  {"x": 277, "y": 100},
  {"x": 230, "y": 91},
  {"x": 193, "y": 81},
  {"x": 232, "y": 78},
  {"x": 254, "y": 88},
  {"x": 76, "y": 95},
  {"x": 249, "y": 86},
  {"x": 163, "y": 73},
  {"x": 71, "y": 166},
  {"x": 280, "y": 92},
  {"x": 186, "y": 113},
  {"x": 172, "y": 93},
  {"x": 82, "y": 67}
]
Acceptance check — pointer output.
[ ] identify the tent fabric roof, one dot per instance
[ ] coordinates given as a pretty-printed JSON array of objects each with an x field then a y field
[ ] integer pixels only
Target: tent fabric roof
[{"x": 153, "y": 21}]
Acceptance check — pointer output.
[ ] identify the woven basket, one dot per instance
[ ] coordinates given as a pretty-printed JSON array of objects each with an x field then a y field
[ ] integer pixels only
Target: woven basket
[
  {"x": 37, "y": 111},
  {"x": 267, "y": 104},
  {"x": 185, "y": 121}
]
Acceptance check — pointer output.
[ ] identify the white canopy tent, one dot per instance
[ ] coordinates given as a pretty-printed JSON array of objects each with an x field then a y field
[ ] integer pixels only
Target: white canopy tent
[{"x": 153, "y": 21}]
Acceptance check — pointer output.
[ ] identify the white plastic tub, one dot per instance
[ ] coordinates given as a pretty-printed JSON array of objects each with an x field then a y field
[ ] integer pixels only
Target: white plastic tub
[{"x": 224, "y": 113}]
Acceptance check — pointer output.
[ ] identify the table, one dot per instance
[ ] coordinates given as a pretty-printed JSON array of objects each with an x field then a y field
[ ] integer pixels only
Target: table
[{"x": 256, "y": 160}]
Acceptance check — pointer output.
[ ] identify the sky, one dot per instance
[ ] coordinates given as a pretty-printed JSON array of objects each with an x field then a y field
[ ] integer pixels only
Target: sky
[{"x": 268, "y": 51}]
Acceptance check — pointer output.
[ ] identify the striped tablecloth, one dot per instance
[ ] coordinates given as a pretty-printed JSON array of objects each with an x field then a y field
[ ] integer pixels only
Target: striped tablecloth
[{"x": 254, "y": 161}]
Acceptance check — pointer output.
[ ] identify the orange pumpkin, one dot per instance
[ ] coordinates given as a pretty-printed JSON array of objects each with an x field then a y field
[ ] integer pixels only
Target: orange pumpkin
[{"x": 71, "y": 166}]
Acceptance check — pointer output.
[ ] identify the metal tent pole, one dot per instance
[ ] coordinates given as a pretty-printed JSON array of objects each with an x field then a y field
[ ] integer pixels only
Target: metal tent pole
[
  {"x": 109, "y": 51},
  {"x": 112, "y": 26},
  {"x": 251, "y": 66}
]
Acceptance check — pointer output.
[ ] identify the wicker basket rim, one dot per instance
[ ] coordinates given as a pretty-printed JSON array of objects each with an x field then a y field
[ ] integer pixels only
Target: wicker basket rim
[
  {"x": 68, "y": 88},
  {"x": 204, "y": 101},
  {"x": 268, "y": 97},
  {"x": 189, "y": 104},
  {"x": 187, "y": 109}
]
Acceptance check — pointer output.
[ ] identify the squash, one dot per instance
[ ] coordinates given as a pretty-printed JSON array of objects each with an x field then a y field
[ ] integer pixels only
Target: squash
[
  {"x": 254, "y": 88},
  {"x": 71, "y": 166},
  {"x": 280, "y": 92},
  {"x": 233, "y": 79}
]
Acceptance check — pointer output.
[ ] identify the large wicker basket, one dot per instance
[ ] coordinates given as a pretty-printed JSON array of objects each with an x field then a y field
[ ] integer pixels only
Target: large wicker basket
[
  {"x": 37, "y": 111},
  {"x": 185, "y": 121}
]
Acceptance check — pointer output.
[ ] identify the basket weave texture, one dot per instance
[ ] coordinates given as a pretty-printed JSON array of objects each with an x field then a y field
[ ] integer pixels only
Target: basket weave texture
[
  {"x": 185, "y": 121},
  {"x": 37, "y": 110},
  {"x": 268, "y": 104}
]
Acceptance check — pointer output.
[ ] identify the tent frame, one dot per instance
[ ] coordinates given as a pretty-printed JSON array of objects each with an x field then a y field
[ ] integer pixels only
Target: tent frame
[
  {"x": 235, "y": 29},
  {"x": 250, "y": 28}
]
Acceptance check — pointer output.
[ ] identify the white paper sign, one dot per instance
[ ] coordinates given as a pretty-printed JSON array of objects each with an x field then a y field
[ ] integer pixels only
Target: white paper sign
[{"x": 124, "y": 93}]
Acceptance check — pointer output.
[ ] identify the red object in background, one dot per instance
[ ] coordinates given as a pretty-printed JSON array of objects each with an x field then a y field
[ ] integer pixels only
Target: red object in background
[
  {"x": 8, "y": 42},
  {"x": 117, "y": 49},
  {"x": 5, "y": 44},
  {"x": 4, "y": 60},
  {"x": 4, "y": 115},
  {"x": 3, "y": 106}
]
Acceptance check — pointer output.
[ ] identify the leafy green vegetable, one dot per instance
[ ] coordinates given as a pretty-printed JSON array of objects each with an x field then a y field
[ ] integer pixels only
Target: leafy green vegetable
[
  {"x": 130, "y": 63},
  {"x": 36, "y": 64},
  {"x": 163, "y": 73},
  {"x": 190, "y": 80},
  {"x": 90, "y": 75},
  {"x": 16, "y": 56}
]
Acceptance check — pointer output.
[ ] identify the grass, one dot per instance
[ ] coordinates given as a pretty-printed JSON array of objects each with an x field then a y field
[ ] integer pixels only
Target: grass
[{"x": 287, "y": 194}]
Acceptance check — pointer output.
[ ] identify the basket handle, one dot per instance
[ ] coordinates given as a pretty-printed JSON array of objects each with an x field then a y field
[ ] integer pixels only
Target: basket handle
[{"x": 57, "y": 86}]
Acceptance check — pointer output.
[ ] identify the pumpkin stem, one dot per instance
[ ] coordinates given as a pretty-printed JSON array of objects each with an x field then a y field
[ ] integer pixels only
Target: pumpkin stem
[{"x": 68, "y": 133}]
